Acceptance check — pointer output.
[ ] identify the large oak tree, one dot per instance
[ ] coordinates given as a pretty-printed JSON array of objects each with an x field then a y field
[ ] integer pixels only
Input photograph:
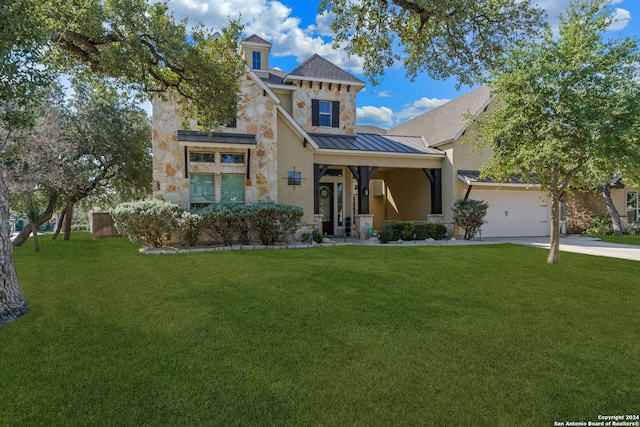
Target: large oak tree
[
  {"x": 568, "y": 107},
  {"x": 139, "y": 44},
  {"x": 443, "y": 38}
]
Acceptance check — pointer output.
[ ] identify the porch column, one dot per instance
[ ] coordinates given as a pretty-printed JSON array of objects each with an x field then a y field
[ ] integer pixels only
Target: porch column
[
  {"x": 435, "y": 177},
  {"x": 363, "y": 175}
]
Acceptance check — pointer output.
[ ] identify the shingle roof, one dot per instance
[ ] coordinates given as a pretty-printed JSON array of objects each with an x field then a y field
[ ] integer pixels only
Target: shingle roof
[
  {"x": 317, "y": 67},
  {"x": 442, "y": 124},
  {"x": 372, "y": 142},
  {"x": 370, "y": 129},
  {"x": 256, "y": 40}
]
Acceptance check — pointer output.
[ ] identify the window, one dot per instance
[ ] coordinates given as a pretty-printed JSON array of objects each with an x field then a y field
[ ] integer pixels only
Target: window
[
  {"x": 294, "y": 178},
  {"x": 201, "y": 190},
  {"x": 232, "y": 188},
  {"x": 633, "y": 209},
  {"x": 232, "y": 158},
  {"x": 257, "y": 62},
  {"x": 202, "y": 157},
  {"x": 325, "y": 113}
]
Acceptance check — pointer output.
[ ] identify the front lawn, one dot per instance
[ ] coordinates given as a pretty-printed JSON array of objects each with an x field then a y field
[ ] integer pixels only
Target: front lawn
[
  {"x": 338, "y": 336},
  {"x": 626, "y": 239}
]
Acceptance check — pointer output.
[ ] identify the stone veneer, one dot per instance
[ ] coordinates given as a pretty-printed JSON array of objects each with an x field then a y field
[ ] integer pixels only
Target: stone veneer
[
  {"x": 301, "y": 102},
  {"x": 257, "y": 116}
]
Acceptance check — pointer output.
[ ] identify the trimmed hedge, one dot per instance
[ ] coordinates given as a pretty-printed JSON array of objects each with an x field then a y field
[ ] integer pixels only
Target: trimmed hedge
[
  {"x": 273, "y": 222},
  {"x": 147, "y": 222},
  {"x": 406, "y": 230}
]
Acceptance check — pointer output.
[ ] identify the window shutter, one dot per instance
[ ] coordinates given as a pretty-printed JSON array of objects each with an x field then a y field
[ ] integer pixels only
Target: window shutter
[
  {"x": 335, "y": 114},
  {"x": 315, "y": 112}
]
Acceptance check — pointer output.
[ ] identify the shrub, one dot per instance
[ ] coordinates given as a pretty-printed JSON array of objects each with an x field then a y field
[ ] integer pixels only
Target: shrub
[
  {"x": 402, "y": 230},
  {"x": 632, "y": 230},
  {"x": 147, "y": 222},
  {"x": 221, "y": 222},
  {"x": 600, "y": 225},
  {"x": 317, "y": 236},
  {"x": 469, "y": 215},
  {"x": 189, "y": 228},
  {"x": 386, "y": 234},
  {"x": 272, "y": 222},
  {"x": 430, "y": 230}
]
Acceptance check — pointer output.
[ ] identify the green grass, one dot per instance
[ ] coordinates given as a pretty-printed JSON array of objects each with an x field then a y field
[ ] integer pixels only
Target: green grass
[
  {"x": 340, "y": 336},
  {"x": 626, "y": 239}
]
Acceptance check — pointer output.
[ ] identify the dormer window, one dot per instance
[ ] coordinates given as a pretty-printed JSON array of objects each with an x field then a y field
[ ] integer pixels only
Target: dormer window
[
  {"x": 325, "y": 113},
  {"x": 257, "y": 61}
]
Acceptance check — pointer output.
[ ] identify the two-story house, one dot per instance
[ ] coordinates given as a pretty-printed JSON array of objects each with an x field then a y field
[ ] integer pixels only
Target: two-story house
[{"x": 295, "y": 141}]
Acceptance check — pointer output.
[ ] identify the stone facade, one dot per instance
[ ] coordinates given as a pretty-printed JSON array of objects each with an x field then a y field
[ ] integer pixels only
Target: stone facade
[
  {"x": 345, "y": 94},
  {"x": 257, "y": 116}
]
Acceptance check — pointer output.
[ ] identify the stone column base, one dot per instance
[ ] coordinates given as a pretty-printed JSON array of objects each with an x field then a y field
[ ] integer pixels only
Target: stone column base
[
  {"x": 317, "y": 218},
  {"x": 362, "y": 224}
]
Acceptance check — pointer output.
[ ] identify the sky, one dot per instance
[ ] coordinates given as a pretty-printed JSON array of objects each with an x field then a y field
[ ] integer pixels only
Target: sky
[{"x": 297, "y": 31}]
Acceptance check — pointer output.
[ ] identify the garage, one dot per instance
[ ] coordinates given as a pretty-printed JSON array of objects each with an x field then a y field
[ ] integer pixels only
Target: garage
[{"x": 514, "y": 213}]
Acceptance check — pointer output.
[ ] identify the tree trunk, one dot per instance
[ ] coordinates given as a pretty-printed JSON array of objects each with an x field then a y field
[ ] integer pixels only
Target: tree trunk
[
  {"x": 12, "y": 301},
  {"x": 46, "y": 216},
  {"x": 68, "y": 216},
  {"x": 58, "y": 226},
  {"x": 36, "y": 242},
  {"x": 554, "y": 243},
  {"x": 605, "y": 189}
]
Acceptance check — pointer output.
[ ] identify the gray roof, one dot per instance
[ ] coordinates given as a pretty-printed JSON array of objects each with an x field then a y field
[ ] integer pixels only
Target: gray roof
[
  {"x": 442, "y": 124},
  {"x": 256, "y": 40},
  {"x": 372, "y": 142},
  {"x": 474, "y": 176},
  {"x": 319, "y": 68},
  {"x": 370, "y": 129},
  {"x": 217, "y": 137}
]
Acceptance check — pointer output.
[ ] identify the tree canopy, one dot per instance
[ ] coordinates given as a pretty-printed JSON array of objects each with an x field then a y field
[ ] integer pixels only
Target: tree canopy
[
  {"x": 566, "y": 104},
  {"x": 140, "y": 45},
  {"x": 444, "y": 38}
]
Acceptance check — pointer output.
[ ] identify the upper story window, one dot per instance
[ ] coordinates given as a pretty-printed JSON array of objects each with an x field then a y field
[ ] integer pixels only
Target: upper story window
[
  {"x": 233, "y": 158},
  {"x": 325, "y": 113},
  {"x": 202, "y": 157},
  {"x": 257, "y": 61}
]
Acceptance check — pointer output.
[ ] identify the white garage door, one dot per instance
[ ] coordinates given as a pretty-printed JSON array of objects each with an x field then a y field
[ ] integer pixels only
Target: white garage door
[{"x": 514, "y": 213}]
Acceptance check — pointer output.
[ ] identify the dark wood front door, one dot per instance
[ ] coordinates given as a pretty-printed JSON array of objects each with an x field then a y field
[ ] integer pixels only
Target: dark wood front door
[{"x": 326, "y": 208}]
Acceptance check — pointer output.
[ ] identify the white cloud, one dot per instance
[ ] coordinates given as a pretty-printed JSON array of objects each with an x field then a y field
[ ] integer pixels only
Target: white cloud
[
  {"x": 621, "y": 18},
  {"x": 418, "y": 107},
  {"x": 385, "y": 117},
  {"x": 385, "y": 94},
  {"x": 380, "y": 116},
  {"x": 273, "y": 21}
]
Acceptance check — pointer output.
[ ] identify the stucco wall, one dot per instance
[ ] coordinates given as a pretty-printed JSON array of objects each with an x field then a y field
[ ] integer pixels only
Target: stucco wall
[{"x": 292, "y": 154}]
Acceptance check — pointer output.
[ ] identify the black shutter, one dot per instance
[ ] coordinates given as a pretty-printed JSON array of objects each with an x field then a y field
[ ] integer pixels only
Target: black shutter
[
  {"x": 315, "y": 112},
  {"x": 335, "y": 114}
]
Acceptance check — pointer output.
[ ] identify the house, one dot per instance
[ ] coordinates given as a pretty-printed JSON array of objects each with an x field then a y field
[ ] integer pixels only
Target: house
[{"x": 295, "y": 141}]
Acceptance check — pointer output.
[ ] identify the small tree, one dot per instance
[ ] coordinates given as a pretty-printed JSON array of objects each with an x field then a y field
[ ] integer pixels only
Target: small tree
[{"x": 469, "y": 215}]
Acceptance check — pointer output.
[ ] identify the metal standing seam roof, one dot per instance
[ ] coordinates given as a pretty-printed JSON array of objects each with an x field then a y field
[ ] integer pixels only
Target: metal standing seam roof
[
  {"x": 217, "y": 137},
  {"x": 373, "y": 143}
]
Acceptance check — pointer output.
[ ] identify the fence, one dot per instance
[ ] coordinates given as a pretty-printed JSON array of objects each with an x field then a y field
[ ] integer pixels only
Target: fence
[{"x": 102, "y": 226}]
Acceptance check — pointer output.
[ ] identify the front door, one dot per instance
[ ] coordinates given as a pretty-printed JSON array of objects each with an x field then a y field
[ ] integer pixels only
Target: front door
[{"x": 326, "y": 208}]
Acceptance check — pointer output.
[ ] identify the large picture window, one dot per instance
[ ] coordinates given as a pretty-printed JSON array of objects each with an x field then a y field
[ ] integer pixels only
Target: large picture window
[
  {"x": 632, "y": 206},
  {"x": 232, "y": 188},
  {"x": 201, "y": 190}
]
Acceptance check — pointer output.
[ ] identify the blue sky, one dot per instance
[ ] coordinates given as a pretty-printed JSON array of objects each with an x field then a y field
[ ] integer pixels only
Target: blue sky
[{"x": 297, "y": 32}]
